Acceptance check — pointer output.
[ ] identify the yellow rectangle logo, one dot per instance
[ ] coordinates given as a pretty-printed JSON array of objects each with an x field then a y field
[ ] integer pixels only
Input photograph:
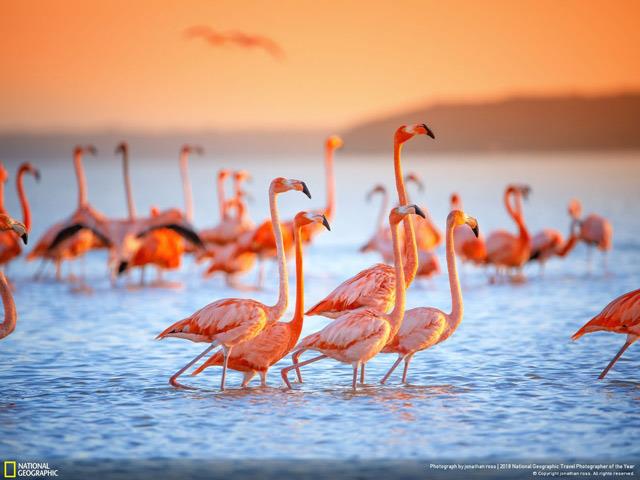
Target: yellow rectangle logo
[{"x": 9, "y": 469}]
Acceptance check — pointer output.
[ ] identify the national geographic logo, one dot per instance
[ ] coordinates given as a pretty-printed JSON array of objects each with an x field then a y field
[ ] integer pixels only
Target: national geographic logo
[{"x": 13, "y": 469}]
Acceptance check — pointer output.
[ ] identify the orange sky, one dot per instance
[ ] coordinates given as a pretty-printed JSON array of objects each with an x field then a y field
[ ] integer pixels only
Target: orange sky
[{"x": 125, "y": 63}]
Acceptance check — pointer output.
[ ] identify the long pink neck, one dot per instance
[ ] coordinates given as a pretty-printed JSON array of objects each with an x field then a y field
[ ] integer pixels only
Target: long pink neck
[
  {"x": 457, "y": 308},
  {"x": 298, "y": 311},
  {"x": 283, "y": 297},
  {"x": 517, "y": 215},
  {"x": 10, "y": 316},
  {"x": 411, "y": 262},
  {"x": 397, "y": 314},
  {"x": 131, "y": 206},
  {"x": 572, "y": 241},
  {"x": 221, "y": 198},
  {"x": 24, "y": 202},
  {"x": 331, "y": 183},
  {"x": 186, "y": 184},
  {"x": 81, "y": 179}
]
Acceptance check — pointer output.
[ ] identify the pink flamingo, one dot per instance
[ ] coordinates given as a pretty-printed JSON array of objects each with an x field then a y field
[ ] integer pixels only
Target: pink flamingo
[
  {"x": 277, "y": 340},
  {"x": 621, "y": 316},
  {"x": 468, "y": 246},
  {"x": 505, "y": 250},
  {"x": 8, "y": 325},
  {"x": 374, "y": 287},
  {"x": 549, "y": 243},
  {"x": 9, "y": 243},
  {"x": 380, "y": 240},
  {"x": 229, "y": 322},
  {"x": 425, "y": 327},
  {"x": 595, "y": 230},
  {"x": 357, "y": 336}
]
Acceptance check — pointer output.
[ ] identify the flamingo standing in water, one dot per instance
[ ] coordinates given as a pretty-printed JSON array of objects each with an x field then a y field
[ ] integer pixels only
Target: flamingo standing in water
[
  {"x": 357, "y": 336},
  {"x": 232, "y": 321},
  {"x": 8, "y": 325},
  {"x": 425, "y": 327},
  {"x": 468, "y": 246},
  {"x": 9, "y": 243},
  {"x": 504, "y": 249},
  {"x": 621, "y": 316},
  {"x": 380, "y": 240},
  {"x": 595, "y": 230},
  {"x": 374, "y": 287},
  {"x": 275, "y": 341}
]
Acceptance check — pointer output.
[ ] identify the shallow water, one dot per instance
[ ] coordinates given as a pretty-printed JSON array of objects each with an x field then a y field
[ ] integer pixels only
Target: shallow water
[{"x": 83, "y": 378}]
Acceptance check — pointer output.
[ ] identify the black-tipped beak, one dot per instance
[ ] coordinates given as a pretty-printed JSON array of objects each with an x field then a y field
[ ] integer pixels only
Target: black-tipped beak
[
  {"x": 122, "y": 267},
  {"x": 429, "y": 131},
  {"x": 305, "y": 190},
  {"x": 36, "y": 174},
  {"x": 476, "y": 230},
  {"x": 25, "y": 238},
  {"x": 419, "y": 211},
  {"x": 325, "y": 222}
]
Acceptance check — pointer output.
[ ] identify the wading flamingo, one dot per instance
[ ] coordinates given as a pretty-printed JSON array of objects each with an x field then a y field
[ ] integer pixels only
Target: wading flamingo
[
  {"x": 275, "y": 341},
  {"x": 380, "y": 240},
  {"x": 231, "y": 321},
  {"x": 549, "y": 243},
  {"x": 425, "y": 327},
  {"x": 9, "y": 323},
  {"x": 374, "y": 287},
  {"x": 504, "y": 249},
  {"x": 357, "y": 336},
  {"x": 10, "y": 247},
  {"x": 595, "y": 230},
  {"x": 621, "y": 316},
  {"x": 468, "y": 246}
]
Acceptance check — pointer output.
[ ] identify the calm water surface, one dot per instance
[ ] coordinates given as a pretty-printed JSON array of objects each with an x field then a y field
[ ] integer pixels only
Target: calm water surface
[{"x": 83, "y": 378}]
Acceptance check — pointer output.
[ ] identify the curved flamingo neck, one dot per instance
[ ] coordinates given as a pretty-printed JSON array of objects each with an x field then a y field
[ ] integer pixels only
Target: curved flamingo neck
[
  {"x": 411, "y": 265},
  {"x": 221, "y": 199},
  {"x": 298, "y": 311},
  {"x": 331, "y": 183},
  {"x": 397, "y": 314},
  {"x": 516, "y": 215},
  {"x": 283, "y": 296},
  {"x": 81, "y": 179},
  {"x": 10, "y": 316},
  {"x": 131, "y": 206},
  {"x": 571, "y": 242},
  {"x": 24, "y": 202},
  {"x": 186, "y": 184},
  {"x": 457, "y": 308}
]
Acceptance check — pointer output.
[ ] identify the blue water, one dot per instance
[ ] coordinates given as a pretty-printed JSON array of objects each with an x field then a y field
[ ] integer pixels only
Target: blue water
[{"x": 83, "y": 378}]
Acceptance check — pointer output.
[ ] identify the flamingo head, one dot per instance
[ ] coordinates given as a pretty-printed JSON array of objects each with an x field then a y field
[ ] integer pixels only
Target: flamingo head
[
  {"x": 406, "y": 132},
  {"x": 154, "y": 211},
  {"x": 188, "y": 149},
  {"x": 91, "y": 150},
  {"x": 281, "y": 185},
  {"x": 27, "y": 167},
  {"x": 455, "y": 201},
  {"x": 457, "y": 218},
  {"x": 520, "y": 189},
  {"x": 379, "y": 188},
  {"x": 413, "y": 177},
  {"x": 223, "y": 174},
  {"x": 334, "y": 142},
  {"x": 307, "y": 218},
  {"x": 123, "y": 148},
  {"x": 575, "y": 209},
  {"x": 401, "y": 211},
  {"x": 8, "y": 223},
  {"x": 241, "y": 176}
]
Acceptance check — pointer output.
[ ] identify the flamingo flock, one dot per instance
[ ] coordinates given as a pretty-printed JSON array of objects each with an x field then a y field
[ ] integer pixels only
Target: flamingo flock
[{"x": 367, "y": 313}]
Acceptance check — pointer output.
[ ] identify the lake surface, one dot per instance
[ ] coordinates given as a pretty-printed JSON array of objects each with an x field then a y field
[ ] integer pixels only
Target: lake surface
[{"x": 83, "y": 378}]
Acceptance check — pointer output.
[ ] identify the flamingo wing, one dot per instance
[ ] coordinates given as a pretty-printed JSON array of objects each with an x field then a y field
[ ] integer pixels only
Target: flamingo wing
[
  {"x": 421, "y": 328},
  {"x": 622, "y": 315}
]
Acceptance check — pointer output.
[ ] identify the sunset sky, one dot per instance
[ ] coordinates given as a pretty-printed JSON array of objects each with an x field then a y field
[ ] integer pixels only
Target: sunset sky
[{"x": 127, "y": 64}]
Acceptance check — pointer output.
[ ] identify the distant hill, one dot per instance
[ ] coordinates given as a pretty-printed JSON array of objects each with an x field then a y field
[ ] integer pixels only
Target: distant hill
[{"x": 514, "y": 124}]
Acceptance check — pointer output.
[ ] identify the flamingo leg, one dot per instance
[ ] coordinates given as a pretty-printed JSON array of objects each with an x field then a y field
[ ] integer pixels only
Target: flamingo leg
[
  {"x": 362, "y": 374},
  {"x": 286, "y": 370},
  {"x": 407, "y": 361},
  {"x": 294, "y": 359},
  {"x": 626, "y": 345},
  {"x": 247, "y": 378},
  {"x": 354, "y": 381},
  {"x": 226, "y": 351},
  {"x": 173, "y": 380},
  {"x": 263, "y": 378},
  {"x": 393, "y": 367}
]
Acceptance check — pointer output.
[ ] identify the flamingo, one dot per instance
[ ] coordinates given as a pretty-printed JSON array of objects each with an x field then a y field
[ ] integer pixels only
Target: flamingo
[
  {"x": 468, "y": 246},
  {"x": 550, "y": 242},
  {"x": 622, "y": 315},
  {"x": 9, "y": 244},
  {"x": 374, "y": 287},
  {"x": 380, "y": 240},
  {"x": 75, "y": 242},
  {"x": 505, "y": 250},
  {"x": 229, "y": 322},
  {"x": 275, "y": 341},
  {"x": 428, "y": 236},
  {"x": 8, "y": 325},
  {"x": 425, "y": 327},
  {"x": 357, "y": 336},
  {"x": 595, "y": 230}
]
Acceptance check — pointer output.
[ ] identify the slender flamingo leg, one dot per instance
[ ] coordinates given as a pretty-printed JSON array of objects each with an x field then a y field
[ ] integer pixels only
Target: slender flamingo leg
[
  {"x": 226, "y": 351},
  {"x": 393, "y": 367},
  {"x": 286, "y": 370},
  {"x": 294, "y": 360},
  {"x": 263, "y": 378},
  {"x": 355, "y": 375},
  {"x": 173, "y": 380},
  {"x": 247, "y": 378},
  {"x": 407, "y": 361},
  {"x": 362, "y": 374},
  {"x": 626, "y": 345}
]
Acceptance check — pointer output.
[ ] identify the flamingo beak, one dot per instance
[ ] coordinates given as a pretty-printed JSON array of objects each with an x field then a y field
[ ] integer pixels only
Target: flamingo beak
[
  {"x": 428, "y": 131},
  {"x": 122, "y": 267},
  {"x": 419, "y": 211},
  {"x": 25, "y": 237},
  {"x": 36, "y": 174},
  {"x": 476, "y": 230},
  {"x": 325, "y": 222},
  {"x": 305, "y": 190}
]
